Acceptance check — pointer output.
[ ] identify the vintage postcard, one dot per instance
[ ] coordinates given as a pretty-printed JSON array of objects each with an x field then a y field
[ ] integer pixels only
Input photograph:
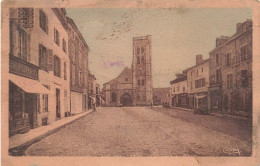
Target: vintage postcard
[{"x": 130, "y": 83}]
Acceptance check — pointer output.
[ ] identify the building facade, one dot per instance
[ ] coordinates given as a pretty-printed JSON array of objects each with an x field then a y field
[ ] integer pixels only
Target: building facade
[
  {"x": 179, "y": 95},
  {"x": 198, "y": 83},
  {"x": 78, "y": 53},
  {"x": 161, "y": 96},
  {"x": 231, "y": 72},
  {"x": 38, "y": 68},
  {"x": 133, "y": 87},
  {"x": 119, "y": 91}
]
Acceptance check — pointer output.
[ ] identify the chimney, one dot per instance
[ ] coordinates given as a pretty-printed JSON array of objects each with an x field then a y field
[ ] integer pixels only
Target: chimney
[
  {"x": 220, "y": 40},
  {"x": 199, "y": 59}
]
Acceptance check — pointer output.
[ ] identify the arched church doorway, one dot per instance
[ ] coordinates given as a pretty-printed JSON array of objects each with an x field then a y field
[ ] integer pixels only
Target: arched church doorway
[{"x": 126, "y": 99}]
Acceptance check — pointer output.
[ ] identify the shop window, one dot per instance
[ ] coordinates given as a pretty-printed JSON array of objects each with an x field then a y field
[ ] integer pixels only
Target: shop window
[{"x": 44, "y": 103}]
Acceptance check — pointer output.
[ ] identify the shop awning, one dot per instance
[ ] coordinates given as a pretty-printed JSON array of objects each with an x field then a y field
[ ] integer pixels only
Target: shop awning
[{"x": 28, "y": 85}]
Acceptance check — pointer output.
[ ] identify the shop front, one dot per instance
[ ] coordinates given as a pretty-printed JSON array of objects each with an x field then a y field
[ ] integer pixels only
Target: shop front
[{"x": 23, "y": 103}]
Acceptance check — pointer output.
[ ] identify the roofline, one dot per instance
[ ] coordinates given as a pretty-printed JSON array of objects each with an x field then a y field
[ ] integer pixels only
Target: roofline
[
  {"x": 204, "y": 61},
  {"x": 233, "y": 37},
  {"x": 78, "y": 32}
]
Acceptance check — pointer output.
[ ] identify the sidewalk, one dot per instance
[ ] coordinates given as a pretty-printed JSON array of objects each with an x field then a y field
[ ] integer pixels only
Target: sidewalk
[
  {"x": 216, "y": 114},
  {"x": 20, "y": 140}
]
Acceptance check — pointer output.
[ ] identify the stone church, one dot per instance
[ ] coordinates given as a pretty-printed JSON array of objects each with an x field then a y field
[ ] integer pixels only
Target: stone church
[{"x": 133, "y": 86}]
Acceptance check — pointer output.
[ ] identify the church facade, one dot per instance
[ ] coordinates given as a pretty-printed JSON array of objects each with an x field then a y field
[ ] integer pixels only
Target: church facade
[{"x": 133, "y": 86}]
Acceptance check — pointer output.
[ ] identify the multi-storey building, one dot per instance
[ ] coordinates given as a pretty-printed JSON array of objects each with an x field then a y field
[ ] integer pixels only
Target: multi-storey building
[
  {"x": 179, "y": 91},
  {"x": 78, "y": 53},
  {"x": 92, "y": 90},
  {"x": 38, "y": 68},
  {"x": 161, "y": 96},
  {"x": 198, "y": 83},
  {"x": 231, "y": 72},
  {"x": 134, "y": 85}
]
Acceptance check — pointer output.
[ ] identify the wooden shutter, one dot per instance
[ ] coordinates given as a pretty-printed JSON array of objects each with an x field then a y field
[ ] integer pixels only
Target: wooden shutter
[
  {"x": 50, "y": 60},
  {"x": 40, "y": 55},
  {"x": 28, "y": 47}
]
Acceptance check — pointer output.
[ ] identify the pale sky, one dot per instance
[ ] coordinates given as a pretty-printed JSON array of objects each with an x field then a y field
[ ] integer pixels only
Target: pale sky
[{"x": 177, "y": 36}]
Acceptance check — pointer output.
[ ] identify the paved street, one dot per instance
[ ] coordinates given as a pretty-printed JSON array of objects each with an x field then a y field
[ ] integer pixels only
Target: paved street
[{"x": 141, "y": 131}]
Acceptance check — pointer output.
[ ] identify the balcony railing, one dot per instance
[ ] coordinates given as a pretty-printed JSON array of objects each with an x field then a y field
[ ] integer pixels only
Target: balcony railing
[{"x": 22, "y": 68}]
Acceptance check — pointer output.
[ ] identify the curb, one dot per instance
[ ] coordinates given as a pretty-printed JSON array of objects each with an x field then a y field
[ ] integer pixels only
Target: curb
[
  {"x": 20, "y": 149},
  {"x": 217, "y": 115}
]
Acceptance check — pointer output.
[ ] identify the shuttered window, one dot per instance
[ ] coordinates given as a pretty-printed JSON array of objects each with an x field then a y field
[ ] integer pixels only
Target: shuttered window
[
  {"x": 43, "y": 57},
  {"x": 43, "y": 21}
]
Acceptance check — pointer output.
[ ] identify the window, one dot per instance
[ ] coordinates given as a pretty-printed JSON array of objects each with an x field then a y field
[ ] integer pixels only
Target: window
[
  {"x": 218, "y": 74},
  {"x": 80, "y": 78},
  {"x": 229, "y": 80},
  {"x": 23, "y": 47},
  {"x": 142, "y": 50},
  {"x": 142, "y": 60},
  {"x": 56, "y": 36},
  {"x": 177, "y": 88},
  {"x": 217, "y": 59},
  {"x": 228, "y": 59},
  {"x": 174, "y": 89},
  {"x": 113, "y": 96},
  {"x": 65, "y": 71},
  {"x": 191, "y": 85},
  {"x": 142, "y": 82},
  {"x": 64, "y": 46},
  {"x": 243, "y": 53},
  {"x": 43, "y": 21},
  {"x": 72, "y": 74},
  {"x": 138, "y": 60},
  {"x": 138, "y": 50},
  {"x": 244, "y": 78},
  {"x": 43, "y": 58},
  {"x": 56, "y": 66},
  {"x": 44, "y": 103},
  {"x": 183, "y": 89},
  {"x": 202, "y": 70},
  {"x": 126, "y": 79},
  {"x": 191, "y": 74},
  {"x": 138, "y": 82},
  {"x": 197, "y": 72},
  {"x": 203, "y": 82}
]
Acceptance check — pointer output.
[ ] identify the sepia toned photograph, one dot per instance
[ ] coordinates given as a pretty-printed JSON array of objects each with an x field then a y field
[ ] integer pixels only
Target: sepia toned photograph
[
  {"x": 181, "y": 85},
  {"x": 128, "y": 82}
]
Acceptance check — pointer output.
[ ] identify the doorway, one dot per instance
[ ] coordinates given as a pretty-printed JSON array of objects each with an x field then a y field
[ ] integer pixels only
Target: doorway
[{"x": 58, "y": 114}]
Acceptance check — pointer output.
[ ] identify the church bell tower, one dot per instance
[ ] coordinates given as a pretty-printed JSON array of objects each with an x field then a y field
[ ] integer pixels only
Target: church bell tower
[{"x": 142, "y": 71}]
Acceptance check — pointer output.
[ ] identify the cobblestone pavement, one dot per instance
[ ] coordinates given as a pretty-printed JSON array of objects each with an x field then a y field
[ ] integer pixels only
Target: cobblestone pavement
[{"x": 139, "y": 131}]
